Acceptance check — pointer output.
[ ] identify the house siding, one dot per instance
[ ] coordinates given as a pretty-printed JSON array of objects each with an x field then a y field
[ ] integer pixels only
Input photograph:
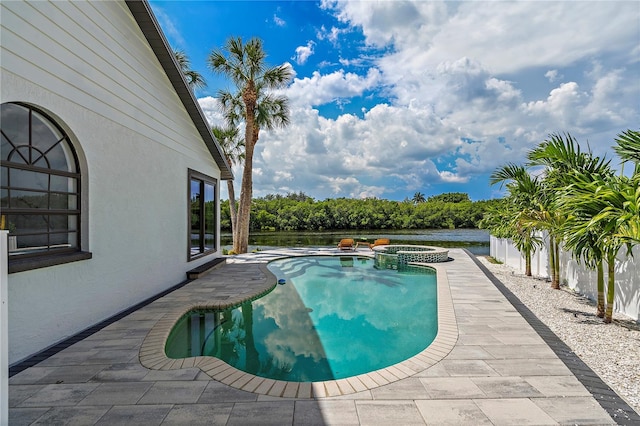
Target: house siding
[{"x": 89, "y": 66}]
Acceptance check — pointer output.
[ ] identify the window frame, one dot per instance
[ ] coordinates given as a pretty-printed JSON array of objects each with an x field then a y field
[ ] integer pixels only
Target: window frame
[
  {"x": 50, "y": 255},
  {"x": 203, "y": 179}
]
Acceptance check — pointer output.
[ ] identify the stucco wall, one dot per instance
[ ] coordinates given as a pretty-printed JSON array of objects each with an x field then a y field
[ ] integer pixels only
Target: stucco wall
[
  {"x": 89, "y": 66},
  {"x": 579, "y": 278}
]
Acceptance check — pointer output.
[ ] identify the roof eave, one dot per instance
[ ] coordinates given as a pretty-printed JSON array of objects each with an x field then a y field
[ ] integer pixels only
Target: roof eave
[{"x": 142, "y": 13}]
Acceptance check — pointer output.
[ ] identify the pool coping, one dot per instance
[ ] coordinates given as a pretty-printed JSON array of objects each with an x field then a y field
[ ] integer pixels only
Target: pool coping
[{"x": 152, "y": 354}]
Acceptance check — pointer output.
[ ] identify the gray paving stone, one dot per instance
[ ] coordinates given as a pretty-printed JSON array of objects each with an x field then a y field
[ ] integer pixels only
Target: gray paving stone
[
  {"x": 112, "y": 356},
  {"x": 198, "y": 414},
  {"x": 410, "y": 388},
  {"x": 72, "y": 416},
  {"x": 529, "y": 367},
  {"x": 173, "y": 393},
  {"x": 30, "y": 376},
  {"x": 451, "y": 388},
  {"x": 183, "y": 374},
  {"x": 437, "y": 370},
  {"x": 468, "y": 367},
  {"x": 516, "y": 412},
  {"x": 18, "y": 393},
  {"x": 574, "y": 410},
  {"x": 478, "y": 340},
  {"x": 68, "y": 358},
  {"x": 505, "y": 387},
  {"x": 520, "y": 351},
  {"x": 122, "y": 373},
  {"x": 59, "y": 395},
  {"x": 325, "y": 412},
  {"x": 147, "y": 415},
  {"x": 25, "y": 416},
  {"x": 519, "y": 338},
  {"x": 388, "y": 413},
  {"x": 262, "y": 413},
  {"x": 120, "y": 344},
  {"x": 219, "y": 392},
  {"x": 72, "y": 373},
  {"x": 453, "y": 412},
  {"x": 469, "y": 352},
  {"x": 558, "y": 385},
  {"x": 120, "y": 393}
]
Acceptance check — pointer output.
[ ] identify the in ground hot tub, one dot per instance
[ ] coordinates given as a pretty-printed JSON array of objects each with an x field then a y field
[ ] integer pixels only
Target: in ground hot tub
[{"x": 399, "y": 256}]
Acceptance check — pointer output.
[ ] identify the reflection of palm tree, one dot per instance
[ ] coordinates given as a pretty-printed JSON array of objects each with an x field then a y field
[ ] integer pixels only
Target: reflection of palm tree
[{"x": 252, "y": 357}]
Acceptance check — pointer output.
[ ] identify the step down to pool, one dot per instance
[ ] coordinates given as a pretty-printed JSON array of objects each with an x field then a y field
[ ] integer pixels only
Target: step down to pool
[{"x": 196, "y": 273}]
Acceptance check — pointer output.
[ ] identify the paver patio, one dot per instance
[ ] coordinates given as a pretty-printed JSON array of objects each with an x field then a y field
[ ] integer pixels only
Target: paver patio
[{"x": 497, "y": 370}]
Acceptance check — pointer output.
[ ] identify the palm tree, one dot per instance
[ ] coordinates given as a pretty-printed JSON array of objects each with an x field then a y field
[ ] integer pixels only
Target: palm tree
[
  {"x": 233, "y": 147},
  {"x": 523, "y": 200},
  {"x": 566, "y": 163},
  {"x": 194, "y": 78},
  {"x": 418, "y": 197},
  {"x": 245, "y": 65},
  {"x": 606, "y": 208},
  {"x": 628, "y": 146}
]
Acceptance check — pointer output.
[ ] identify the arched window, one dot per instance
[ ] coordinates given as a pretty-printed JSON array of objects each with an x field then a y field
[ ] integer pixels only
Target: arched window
[{"x": 40, "y": 184}]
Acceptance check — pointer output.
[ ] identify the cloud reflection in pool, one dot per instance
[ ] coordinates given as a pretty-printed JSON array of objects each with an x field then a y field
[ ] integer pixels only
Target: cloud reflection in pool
[{"x": 334, "y": 317}]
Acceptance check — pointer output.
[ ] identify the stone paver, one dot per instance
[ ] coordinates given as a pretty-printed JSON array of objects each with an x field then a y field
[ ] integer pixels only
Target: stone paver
[{"x": 487, "y": 366}]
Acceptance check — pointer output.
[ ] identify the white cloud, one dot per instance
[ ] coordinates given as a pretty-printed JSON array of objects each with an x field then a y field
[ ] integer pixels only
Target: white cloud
[
  {"x": 553, "y": 75},
  {"x": 320, "y": 89},
  {"x": 461, "y": 103},
  {"x": 211, "y": 110},
  {"x": 169, "y": 26},
  {"x": 331, "y": 34},
  {"x": 303, "y": 53},
  {"x": 279, "y": 21},
  {"x": 507, "y": 37}
]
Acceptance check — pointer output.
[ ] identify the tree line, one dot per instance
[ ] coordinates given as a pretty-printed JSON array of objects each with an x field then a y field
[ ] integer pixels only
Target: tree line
[
  {"x": 299, "y": 212},
  {"x": 577, "y": 202}
]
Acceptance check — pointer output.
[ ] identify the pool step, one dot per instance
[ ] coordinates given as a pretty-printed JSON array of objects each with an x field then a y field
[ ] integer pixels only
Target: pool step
[{"x": 196, "y": 273}]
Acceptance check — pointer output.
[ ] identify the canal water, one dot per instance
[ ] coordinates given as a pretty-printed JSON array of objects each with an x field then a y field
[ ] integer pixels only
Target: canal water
[{"x": 474, "y": 240}]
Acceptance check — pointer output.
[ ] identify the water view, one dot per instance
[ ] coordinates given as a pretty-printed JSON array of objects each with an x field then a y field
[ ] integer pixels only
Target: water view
[{"x": 474, "y": 240}]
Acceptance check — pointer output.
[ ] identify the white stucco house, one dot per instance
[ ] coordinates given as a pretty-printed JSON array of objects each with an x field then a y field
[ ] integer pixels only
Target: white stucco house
[{"x": 110, "y": 175}]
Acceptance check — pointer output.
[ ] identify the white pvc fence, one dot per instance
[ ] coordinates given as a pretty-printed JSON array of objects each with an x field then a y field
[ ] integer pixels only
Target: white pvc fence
[{"x": 576, "y": 276}]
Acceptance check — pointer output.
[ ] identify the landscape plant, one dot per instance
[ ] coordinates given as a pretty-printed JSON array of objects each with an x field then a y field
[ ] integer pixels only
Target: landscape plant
[
  {"x": 233, "y": 148},
  {"x": 578, "y": 201},
  {"x": 254, "y": 105},
  {"x": 524, "y": 192}
]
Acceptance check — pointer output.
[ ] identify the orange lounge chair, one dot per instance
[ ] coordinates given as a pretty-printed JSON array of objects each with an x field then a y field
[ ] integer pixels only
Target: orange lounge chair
[
  {"x": 346, "y": 244},
  {"x": 380, "y": 242}
]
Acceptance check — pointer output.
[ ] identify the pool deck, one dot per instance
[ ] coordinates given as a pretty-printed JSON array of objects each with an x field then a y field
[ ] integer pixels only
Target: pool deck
[{"x": 494, "y": 364}]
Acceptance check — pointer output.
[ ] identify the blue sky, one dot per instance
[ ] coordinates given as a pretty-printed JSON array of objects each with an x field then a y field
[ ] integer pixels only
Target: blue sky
[{"x": 391, "y": 98}]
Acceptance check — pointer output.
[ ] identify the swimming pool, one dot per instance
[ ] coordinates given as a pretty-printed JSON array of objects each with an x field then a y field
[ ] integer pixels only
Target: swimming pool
[{"x": 334, "y": 317}]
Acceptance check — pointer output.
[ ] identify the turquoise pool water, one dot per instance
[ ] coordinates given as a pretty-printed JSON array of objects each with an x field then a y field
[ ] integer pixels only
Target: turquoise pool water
[{"x": 334, "y": 317}]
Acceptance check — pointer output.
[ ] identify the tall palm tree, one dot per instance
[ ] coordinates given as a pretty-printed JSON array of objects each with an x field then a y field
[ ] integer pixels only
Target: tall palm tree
[
  {"x": 233, "y": 147},
  {"x": 194, "y": 78},
  {"x": 523, "y": 200},
  {"x": 253, "y": 104}
]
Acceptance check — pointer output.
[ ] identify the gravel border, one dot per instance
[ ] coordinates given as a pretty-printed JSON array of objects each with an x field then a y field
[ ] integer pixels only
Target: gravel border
[{"x": 612, "y": 351}]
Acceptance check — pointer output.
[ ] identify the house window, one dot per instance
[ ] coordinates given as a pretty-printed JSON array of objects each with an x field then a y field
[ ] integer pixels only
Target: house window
[
  {"x": 39, "y": 183},
  {"x": 202, "y": 208}
]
